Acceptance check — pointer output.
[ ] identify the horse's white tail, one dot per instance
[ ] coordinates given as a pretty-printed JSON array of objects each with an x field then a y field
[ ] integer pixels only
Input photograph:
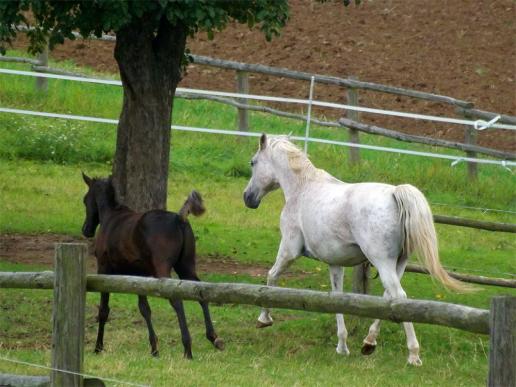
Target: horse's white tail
[{"x": 419, "y": 234}]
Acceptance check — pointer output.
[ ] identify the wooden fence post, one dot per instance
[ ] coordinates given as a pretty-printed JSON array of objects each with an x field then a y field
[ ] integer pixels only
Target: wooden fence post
[
  {"x": 68, "y": 314},
  {"x": 42, "y": 83},
  {"x": 243, "y": 88},
  {"x": 470, "y": 138},
  {"x": 352, "y": 97},
  {"x": 502, "y": 342}
]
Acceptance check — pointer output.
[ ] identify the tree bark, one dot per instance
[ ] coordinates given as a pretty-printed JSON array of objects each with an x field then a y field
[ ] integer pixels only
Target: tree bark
[{"x": 150, "y": 69}]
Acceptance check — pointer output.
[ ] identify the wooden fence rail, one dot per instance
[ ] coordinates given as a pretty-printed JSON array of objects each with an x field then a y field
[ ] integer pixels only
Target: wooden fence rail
[
  {"x": 484, "y": 115},
  {"x": 398, "y": 310},
  {"x": 326, "y": 79},
  {"x": 372, "y": 129},
  {"x": 474, "y": 279},
  {"x": 14, "y": 59},
  {"x": 478, "y": 224}
]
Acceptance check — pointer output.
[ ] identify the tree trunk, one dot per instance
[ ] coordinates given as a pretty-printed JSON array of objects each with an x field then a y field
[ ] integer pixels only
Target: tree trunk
[{"x": 150, "y": 69}]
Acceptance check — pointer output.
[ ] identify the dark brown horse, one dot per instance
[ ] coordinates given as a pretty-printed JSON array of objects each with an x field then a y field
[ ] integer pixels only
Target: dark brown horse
[{"x": 146, "y": 244}]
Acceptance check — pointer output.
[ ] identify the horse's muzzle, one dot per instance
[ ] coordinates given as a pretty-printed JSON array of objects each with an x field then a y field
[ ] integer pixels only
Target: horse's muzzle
[
  {"x": 88, "y": 232},
  {"x": 251, "y": 200}
]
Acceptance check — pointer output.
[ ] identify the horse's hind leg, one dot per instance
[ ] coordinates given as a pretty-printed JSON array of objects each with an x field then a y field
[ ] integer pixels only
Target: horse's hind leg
[
  {"x": 210, "y": 331},
  {"x": 391, "y": 282},
  {"x": 162, "y": 270},
  {"x": 145, "y": 310},
  {"x": 102, "y": 317},
  {"x": 185, "y": 334},
  {"x": 187, "y": 273},
  {"x": 337, "y": 278},
  {"x": 369, "y": 343}
]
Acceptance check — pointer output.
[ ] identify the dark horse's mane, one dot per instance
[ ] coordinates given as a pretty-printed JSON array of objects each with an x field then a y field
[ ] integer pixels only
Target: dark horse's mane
[{"x": 110, "y": 192}]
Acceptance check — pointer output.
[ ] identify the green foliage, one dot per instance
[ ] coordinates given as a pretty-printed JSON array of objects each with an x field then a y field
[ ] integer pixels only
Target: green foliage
[{"x": 55, "y": 20}]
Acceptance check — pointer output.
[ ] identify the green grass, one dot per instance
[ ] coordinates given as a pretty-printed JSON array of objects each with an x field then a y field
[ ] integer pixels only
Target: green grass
[{"x": 41, "y": 192}]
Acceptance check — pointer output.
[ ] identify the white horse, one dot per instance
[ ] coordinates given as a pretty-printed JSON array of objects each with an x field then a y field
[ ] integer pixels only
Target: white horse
[{"x": 343, "y": 225}]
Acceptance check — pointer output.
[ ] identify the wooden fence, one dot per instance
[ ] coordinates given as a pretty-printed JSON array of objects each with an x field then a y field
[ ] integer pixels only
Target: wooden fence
[
  {"x": 70, "y": 284},
  {"x": 464, "y": 108}
]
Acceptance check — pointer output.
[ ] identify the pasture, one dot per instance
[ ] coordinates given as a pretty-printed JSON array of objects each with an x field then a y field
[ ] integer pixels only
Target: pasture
[{"x": 41, "y": 191}]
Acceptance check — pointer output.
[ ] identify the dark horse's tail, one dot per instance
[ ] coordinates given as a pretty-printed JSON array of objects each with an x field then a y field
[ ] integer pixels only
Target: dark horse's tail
[{"x": 193, "y": 205}]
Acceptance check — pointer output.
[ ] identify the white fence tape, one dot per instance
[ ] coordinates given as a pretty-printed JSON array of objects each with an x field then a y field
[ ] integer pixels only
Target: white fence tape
[
  {"x": 474, "y": 124},
  {"x": 251, "y": 134}
]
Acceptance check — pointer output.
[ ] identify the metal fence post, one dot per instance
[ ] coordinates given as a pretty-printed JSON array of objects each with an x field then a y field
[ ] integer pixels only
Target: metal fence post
[
  {"x": 68, "y": 314},
  {"x": 42, "y": 83},
  {"x": 352, "y": 98},
  {"x": 502, "y": 342},
  {"x": 243, "y": 88}
]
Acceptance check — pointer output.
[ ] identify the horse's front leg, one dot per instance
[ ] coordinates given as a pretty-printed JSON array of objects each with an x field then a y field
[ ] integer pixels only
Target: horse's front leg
[
  {"x": 289, "y": 250},
  {"x": 337, "y": 278}
]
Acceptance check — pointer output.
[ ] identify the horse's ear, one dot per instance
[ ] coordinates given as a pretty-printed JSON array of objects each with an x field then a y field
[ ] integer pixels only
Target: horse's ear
[
  {"x": 263, "y": 141},
  {"x": 86, "y": 179}
]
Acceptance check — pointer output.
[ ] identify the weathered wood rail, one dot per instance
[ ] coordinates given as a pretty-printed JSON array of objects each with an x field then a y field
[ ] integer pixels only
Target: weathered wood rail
[
  {"x": 474, "y": 279},
  {"x": 397, "y": 310},
  {"x": 377, "y": 130},
  {"x": 70, "y": 278},
  {"x": 326, "y": 79},
  {"x": 472, "y": 223}
]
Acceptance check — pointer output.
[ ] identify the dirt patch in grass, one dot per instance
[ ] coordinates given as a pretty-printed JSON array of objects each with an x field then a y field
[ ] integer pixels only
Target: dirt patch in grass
[{"x": 38, "y": 249}]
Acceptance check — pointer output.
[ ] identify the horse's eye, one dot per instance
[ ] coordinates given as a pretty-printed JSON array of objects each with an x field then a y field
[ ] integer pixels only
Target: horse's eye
[{"x": 252, "y": 163}]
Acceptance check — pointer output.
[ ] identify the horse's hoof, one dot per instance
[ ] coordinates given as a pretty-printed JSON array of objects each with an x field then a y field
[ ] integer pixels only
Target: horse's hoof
[
  {"x": 415, "y": 361},
  {"x": 98, "y": 350},
  {"x": 260, "y": 324},
  {"x": 343, "y": 351},
  {"x": 368, "y": 349},
  {"x": 155, "y": 353},
  {"x": 188, "y": 355},
  {"x": 219, "y": 344}
]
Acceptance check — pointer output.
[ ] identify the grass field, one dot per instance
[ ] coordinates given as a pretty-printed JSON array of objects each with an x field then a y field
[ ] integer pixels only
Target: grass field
[{"x": 41, "y": 192}]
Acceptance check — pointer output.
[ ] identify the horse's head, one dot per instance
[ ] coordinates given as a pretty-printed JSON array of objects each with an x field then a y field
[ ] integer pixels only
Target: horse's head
[
  {"x": 263, "y": 179},
  {"x": 92, "y": 212},
  {"x": 100, "y": 191}
]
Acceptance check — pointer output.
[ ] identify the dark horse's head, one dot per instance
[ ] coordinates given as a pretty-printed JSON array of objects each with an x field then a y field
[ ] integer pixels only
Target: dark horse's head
[{"x": 100, "y": 195}]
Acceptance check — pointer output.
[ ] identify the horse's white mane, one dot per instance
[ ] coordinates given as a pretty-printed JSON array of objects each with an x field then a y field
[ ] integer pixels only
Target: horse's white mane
[{"x": 298, "y": 162}]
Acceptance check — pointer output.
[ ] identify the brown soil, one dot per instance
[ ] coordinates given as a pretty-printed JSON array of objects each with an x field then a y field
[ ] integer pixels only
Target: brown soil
[
  {"x": 465, "y": 49},
  {"x": 38, "y": 249}
]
